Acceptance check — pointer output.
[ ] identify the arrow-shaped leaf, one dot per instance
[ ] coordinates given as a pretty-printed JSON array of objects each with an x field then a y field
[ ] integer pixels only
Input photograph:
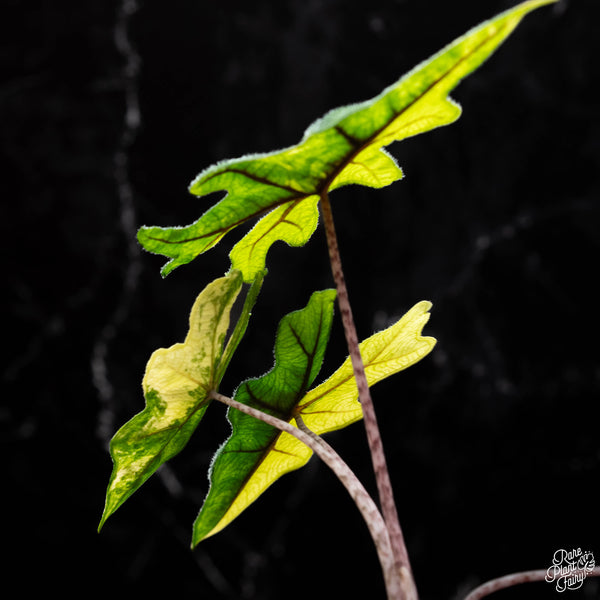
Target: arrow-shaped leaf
[
  {"x": 256, "y": 454},
  {"x": 299, "y": 348},
  {"x": 176, "y": 387},
  {"x": 344, "y": 147}
]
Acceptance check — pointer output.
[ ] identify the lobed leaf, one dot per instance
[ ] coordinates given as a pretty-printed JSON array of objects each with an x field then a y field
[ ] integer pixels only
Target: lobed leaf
[
  {"x": 343, "y": 147},
  {"x": 176, "y": 385},
  {"x": 256, "y": 454}
]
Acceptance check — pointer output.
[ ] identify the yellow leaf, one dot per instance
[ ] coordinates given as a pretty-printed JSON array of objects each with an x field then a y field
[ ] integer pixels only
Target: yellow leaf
[{"x": 334, "y": 403}]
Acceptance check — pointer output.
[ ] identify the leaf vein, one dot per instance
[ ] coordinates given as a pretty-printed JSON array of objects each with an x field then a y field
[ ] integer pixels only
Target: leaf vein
[{"x": 257, "y": 179}]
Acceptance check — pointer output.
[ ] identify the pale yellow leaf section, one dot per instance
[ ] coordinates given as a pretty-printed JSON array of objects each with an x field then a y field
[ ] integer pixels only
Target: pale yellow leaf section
[
  {"x": 294, "y": 222},
  {"x": 287, "y": 454},
  {"x": 190, "y": 366},
  {"x": 334, "y": 404},
  {"x": 374, "y": 169}
]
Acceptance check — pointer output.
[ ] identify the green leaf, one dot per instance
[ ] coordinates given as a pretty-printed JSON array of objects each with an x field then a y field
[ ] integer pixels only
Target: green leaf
[
  {"x": 299, "y": 348},
  {"x": 176, "y": 387},
  {"x": 256, "y": 454},
  {"x": 344, "y": 147}
]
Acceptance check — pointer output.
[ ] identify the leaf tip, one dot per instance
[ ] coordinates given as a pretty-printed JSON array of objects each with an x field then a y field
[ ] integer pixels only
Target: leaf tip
[
  {"x": 105, "y": 515},
  {"x": 167, "y": 268}
]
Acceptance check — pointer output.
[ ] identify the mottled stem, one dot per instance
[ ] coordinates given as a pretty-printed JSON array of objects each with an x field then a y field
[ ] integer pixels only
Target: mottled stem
[
  {"x": 363, "y": 501},
  {"x": 507, "y": 581},
  {"x": 384, "y": 485}
]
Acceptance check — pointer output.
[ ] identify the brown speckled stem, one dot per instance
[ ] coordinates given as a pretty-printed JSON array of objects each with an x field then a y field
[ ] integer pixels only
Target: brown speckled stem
[
  {"x": 364, "y": 502},
  {"x": 384, "y": 486}
]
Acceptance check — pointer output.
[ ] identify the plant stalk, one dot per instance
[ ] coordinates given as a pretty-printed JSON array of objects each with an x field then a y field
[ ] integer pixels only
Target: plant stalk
[
  {"x": 507, "y": 581},
  {"x": 384, "y": 485},
  {"x": 364, "y": 502}
]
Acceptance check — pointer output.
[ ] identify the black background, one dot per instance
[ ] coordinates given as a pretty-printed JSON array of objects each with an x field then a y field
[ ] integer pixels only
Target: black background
[{"x": 492, "y": 441}]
